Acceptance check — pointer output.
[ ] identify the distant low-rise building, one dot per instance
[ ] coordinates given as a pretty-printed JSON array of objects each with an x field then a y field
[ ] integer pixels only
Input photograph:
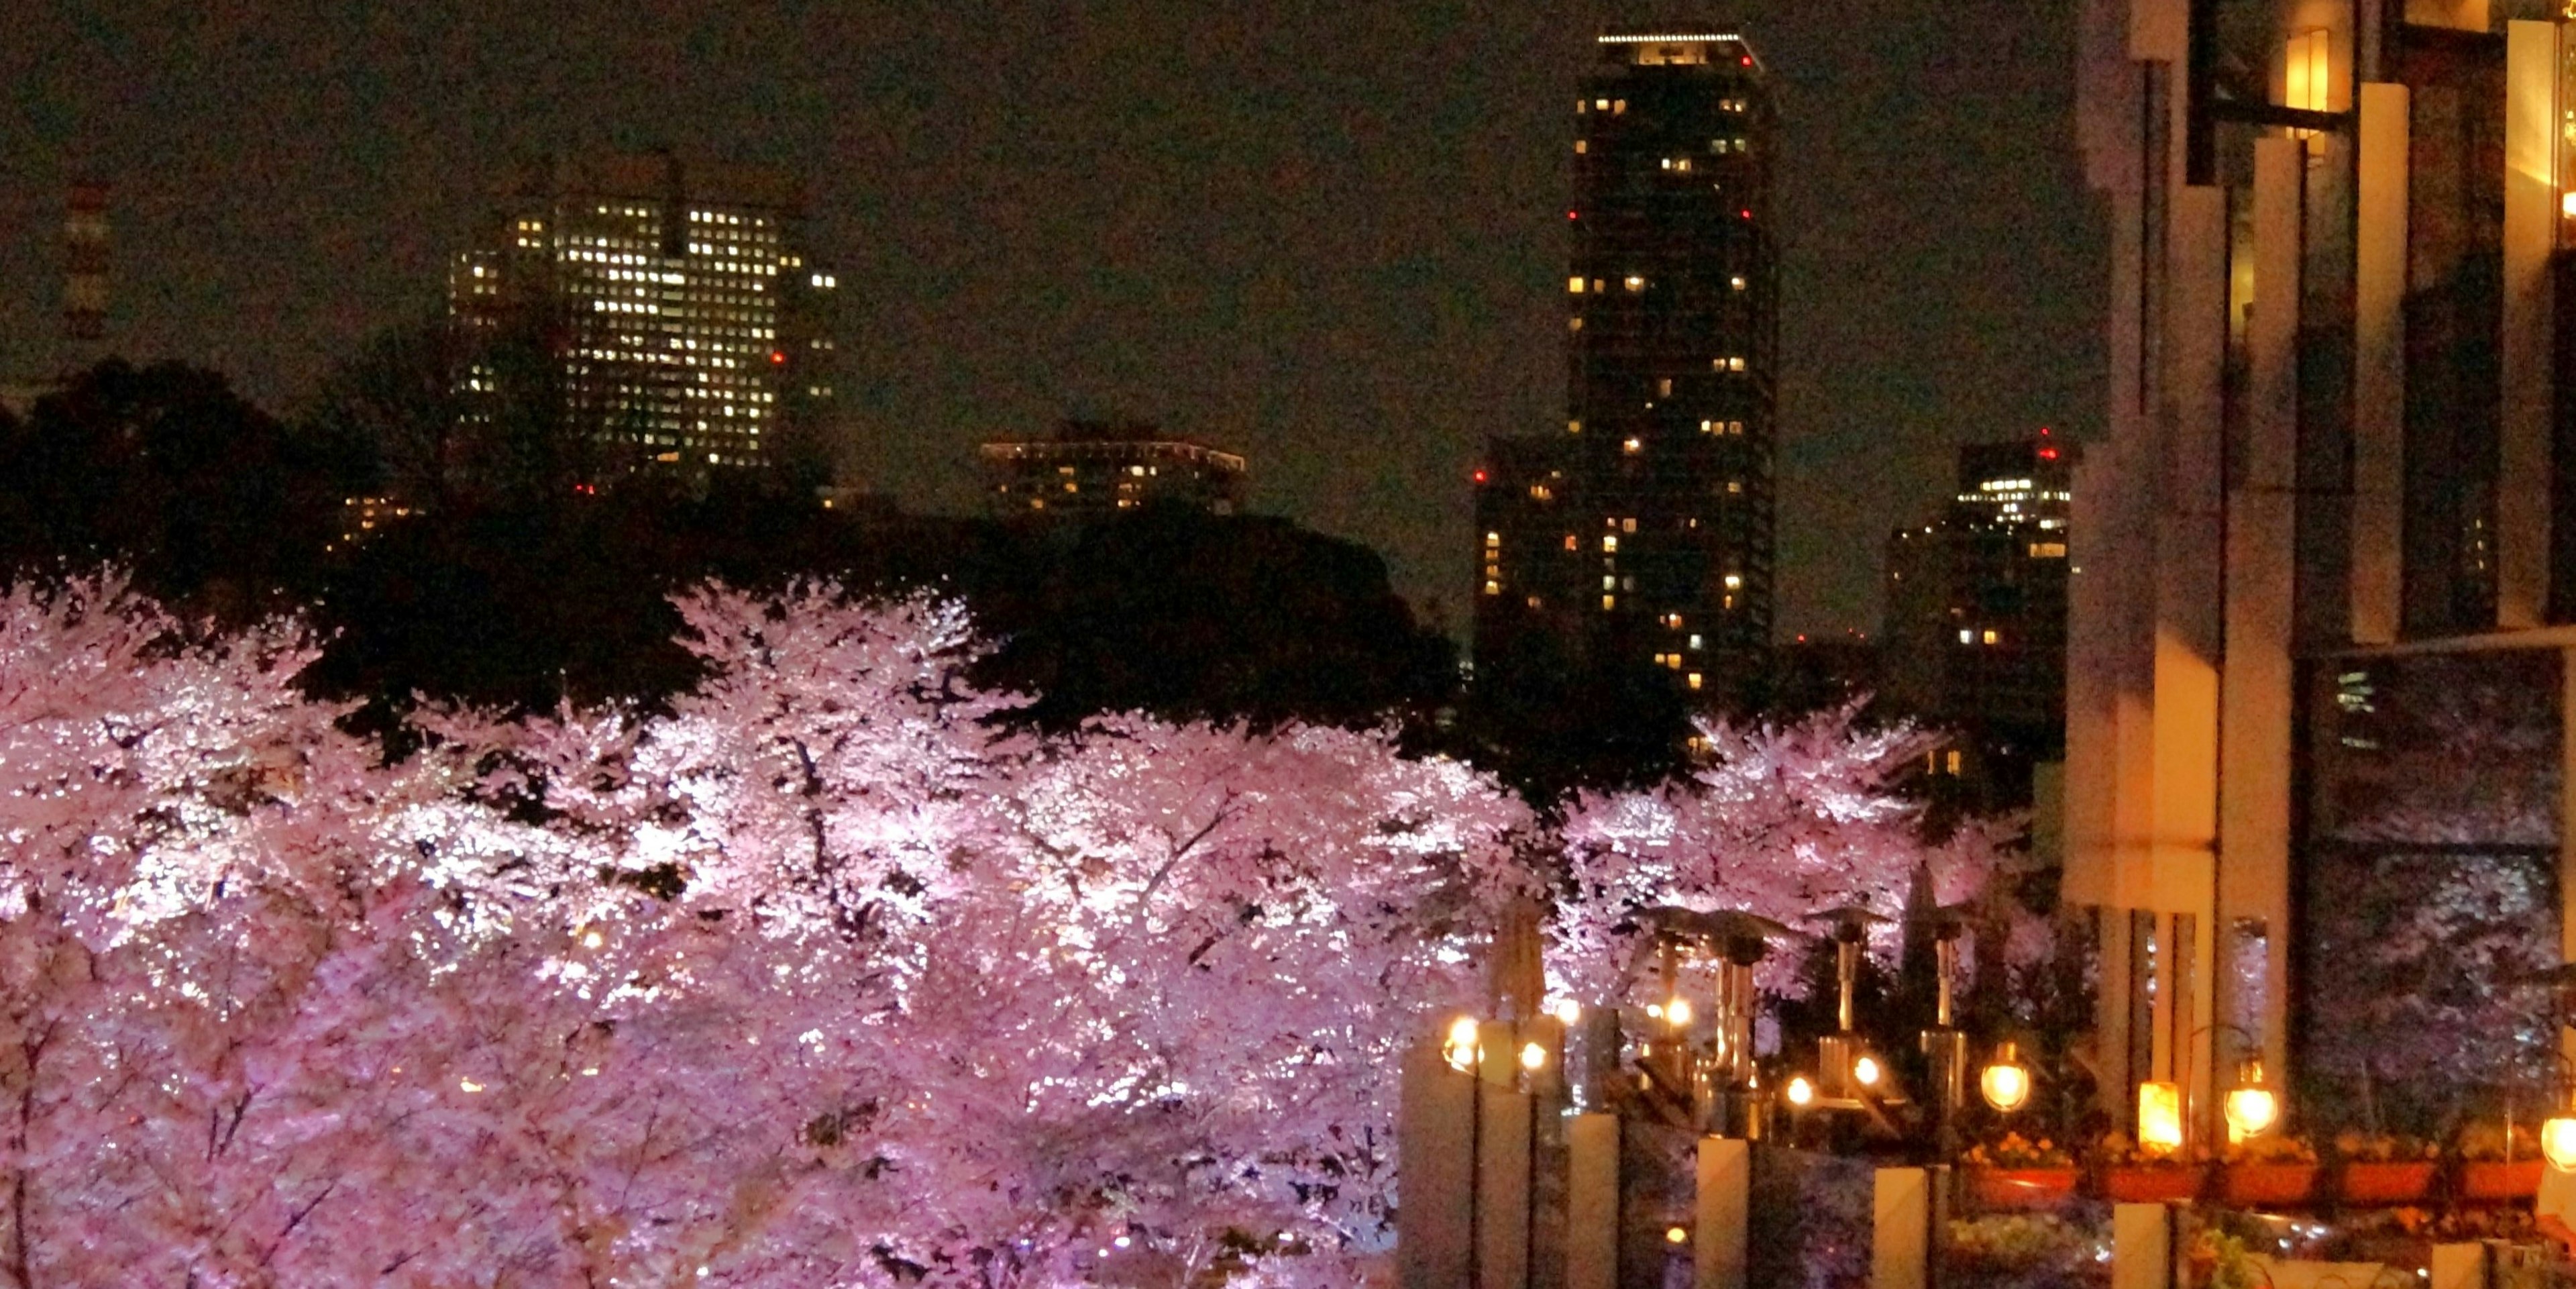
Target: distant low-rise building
[{"x": 1094, "y": 468}]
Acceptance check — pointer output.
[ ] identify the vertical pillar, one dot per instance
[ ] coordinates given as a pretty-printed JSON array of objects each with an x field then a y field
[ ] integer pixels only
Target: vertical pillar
[
  {"x": 2379, "y": 366},
  {"x": 2141, "y": 1246},
  {"x": 2458, "y": 1266},
  {"x": 1502, "y": 1187},
  {"x": 2567, "y": 823},
  {"x": 1436, "y": 1161},
  {"x": 2530, "y": 234},
  {"x": 1900, "y": 1247},
  {"x": 1724, "y": 1213},
  {"x": 2255, "y": 691},
  {"x": 1592, "y": 1202}
]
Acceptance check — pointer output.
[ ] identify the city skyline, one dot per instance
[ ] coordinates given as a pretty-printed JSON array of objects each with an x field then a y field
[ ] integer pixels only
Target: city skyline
[{"x": 1348, "y": 270}]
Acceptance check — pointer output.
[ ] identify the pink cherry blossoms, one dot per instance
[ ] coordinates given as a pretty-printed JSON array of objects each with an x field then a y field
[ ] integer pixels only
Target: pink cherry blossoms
[{"x": 818, "y": 977}]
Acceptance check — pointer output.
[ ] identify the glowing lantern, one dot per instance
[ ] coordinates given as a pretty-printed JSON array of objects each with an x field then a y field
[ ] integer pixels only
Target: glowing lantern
[
  {"x": 2005, "y": 1081},
  {"x": 2160, "y": 1117},
  {"x": 1678, "y": 1011},
  {"x": 1461, "y": 1047},
  {"x": 1533, "y": 1056},
  {"x": 1800, "y": 1092},
  {"x": 2558, "y": 1141},
  {"x": 2251, "y": 1108},
  {"x": 1866, "y": 1072}
]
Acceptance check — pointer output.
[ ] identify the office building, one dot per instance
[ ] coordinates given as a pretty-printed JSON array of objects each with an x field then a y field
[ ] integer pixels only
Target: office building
[
  {"x": 682, "y": 320},
  {"x": 1089, "y": 469},
  {"x": 1642, "y": 533},
  {"x": 2337, "y": 501},
  {"x": 1974, "y": 627}
]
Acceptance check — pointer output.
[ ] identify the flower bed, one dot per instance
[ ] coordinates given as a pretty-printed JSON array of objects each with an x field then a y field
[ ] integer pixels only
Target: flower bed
[
  {"x": 2149, "y": 1183},
  {"x": 2380, "y": 1182},
  {"x": 2268, "y": 1185},
  {"x": 2019, "y": 1188},
  {"x": 2492, "y": 1180}
]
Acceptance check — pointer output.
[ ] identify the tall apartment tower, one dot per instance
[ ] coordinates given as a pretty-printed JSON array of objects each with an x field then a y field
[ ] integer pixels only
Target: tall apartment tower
[
  {"x": 1643, "y": 532},
  {"x": 1973, "y": 639},
  {"x": 2342, "y": 447},
  {"x": 684, "y": 322}
]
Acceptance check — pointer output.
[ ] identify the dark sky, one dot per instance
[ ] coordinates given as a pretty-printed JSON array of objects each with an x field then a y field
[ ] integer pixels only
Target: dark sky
[{"x": 1328, "y": 235}]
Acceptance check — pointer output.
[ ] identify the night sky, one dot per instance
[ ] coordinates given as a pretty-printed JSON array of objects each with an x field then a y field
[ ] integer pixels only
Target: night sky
[{"x": 1327, "y": 235}]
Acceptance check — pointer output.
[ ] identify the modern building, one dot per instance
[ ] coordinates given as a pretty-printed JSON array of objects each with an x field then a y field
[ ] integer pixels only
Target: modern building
[
  {"x": 1645, "y": 527},
  {"x": 1095, "y": 468},
  {"x": 683, "y": 321},
  {"x": 2322, "y": 588},
  {"x": 1974, "y": 628}
]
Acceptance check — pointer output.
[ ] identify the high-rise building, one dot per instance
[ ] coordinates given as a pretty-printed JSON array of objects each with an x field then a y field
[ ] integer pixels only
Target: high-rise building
[
  {"x": 1974, "y": 631},
  {"x": 682, "y": 321},
  {"x": 1643, "y": 532},
  {"x": 2336, "y": 504},
  {"x": 1094, "y": 468}
]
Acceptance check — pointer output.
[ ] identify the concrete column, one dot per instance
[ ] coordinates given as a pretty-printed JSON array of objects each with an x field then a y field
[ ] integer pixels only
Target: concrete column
[
  {"x": 1900, "y": 1249},
  {"x": 2458, "y": 1266},
  {"x": 2379, "y": 366},
  {"x": 2256, "y": 688},
  {"x": 1502, "y": 1188},
  {"x": 2530, "y": 234},
  {"x": 2141, "y": 1246},
  {"x": 1720, "y": 1245},
  {"x": 1592, "y": 1202},
  {"x": 1436, "y": 1162}
]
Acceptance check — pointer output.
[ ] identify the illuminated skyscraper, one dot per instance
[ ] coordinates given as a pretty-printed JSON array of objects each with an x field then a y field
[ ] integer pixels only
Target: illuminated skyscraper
[
  {"x": 684, "y": 323},
  {"x": 1094, "y": 468},
  {"x": 1643, "y": 531}
]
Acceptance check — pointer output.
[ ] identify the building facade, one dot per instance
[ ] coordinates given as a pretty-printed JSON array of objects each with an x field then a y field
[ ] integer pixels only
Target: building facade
[
  {"x": 1091, "y": 469},
  {"x": 2338, "y": 467},
  {"x": 1643, "y": 532},
  {"x": 681, "y": 321},
  {"x": 1974, "y": 622}
]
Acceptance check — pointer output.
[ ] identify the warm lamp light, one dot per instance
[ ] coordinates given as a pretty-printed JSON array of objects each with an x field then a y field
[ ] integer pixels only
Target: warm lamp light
[
  {"x": 1678, "y": 1011},
  {"x": 1460, "y": 1049},
  {"x": 2251, "y": 1108},
  {"x": 1567, "y": 1011},
  {"x": 2005, "y": 1080},
  {"x": 1866, "y": 1072},
  {"x": 1800, "y": 1092},
  {"x": 2160, "y": 1117},
  {"x": 2558, "y": 1141},
  {"x": 1533, "y": 1056}
]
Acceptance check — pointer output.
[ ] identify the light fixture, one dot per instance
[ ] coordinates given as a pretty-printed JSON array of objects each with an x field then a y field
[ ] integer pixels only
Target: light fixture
[
  {"x": 1866, "y": 1071},
  {"x": 1533, "y": 1056},
  {"x": 2160, "y": 1117},
  {"x": 2005, "y": 1080},
  {"x": 1678, "y": 1011},
  {"x": 1800, "y": 1091},
  {"x": 2558, "y": 1139},
  {"x": 2251, "y": 1108},
  {"x": 1460, "y": 1049},
  {"x": 1567, "y": 1011},
  {"x": 1676, "y": 1235}
]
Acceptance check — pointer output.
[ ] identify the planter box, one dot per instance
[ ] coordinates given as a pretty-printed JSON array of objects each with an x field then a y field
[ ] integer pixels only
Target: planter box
[
  {"x": 2490, "y": 1180},
  {"x": 2272, "y": 1185},
  {"x": 2387, "y": 1181},
  {"x": 2019, "y": 1188},
  {"x": 2150, "y": 1184}
]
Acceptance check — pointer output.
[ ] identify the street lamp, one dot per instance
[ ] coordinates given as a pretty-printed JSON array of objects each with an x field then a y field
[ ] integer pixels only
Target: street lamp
[{"x": 2005, "y": 1080}]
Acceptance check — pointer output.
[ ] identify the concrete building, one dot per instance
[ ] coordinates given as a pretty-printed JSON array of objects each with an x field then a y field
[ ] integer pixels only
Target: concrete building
[
  {"x": 1095, "y": 468},
  {"x": 2339, "y": 443},
  {"x": 1974, "y": 627},
  {"x": 684, "y": 323},
  {"x": 1645, "y": 528}
]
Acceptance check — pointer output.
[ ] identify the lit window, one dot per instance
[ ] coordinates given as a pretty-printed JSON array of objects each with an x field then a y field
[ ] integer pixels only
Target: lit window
[
  {"x": 1967, "y": 636},
  {"x": 1636, "y": 282},
  {"x": 1610, "y": 542},
  {"x": 1734, "y": 486},
  {"x": 1609, "y": 602},
  {"x": 1993, "y": 637},
  {"x": 1618, "y": 105},
  {"x": 1694, "y": 680},
  {"x": 1664, "y": 387},
  {"x": 1579, "y": 146},
  {"x": 1574, "y": 427},
  {"x": 1574, "y": 323},
  {"x": 1673, "y": 620},
  {"x": 1629, "y": 524},
  {"x": 1493, "y": 539},
  {"x": 2048, "y": 550},
  {"x": 1734, "y": 582},
  {"x": 1493, "y": 587},
  {"x": 1633, "y": 446},
  {"x": 1609, "y": 583},
  {"x": 1533, "y": 601},
  {"x": 1600, "y": 105},
  {"x": 1736, "y": 282},
  {"x": 1570, "y": 543},
  {"x": 1574, "y": 285},
  {"x": 1954, "y": 763},
  {"x": 1694, "y": 642},
  {"x": 1708, "y": 427}
]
